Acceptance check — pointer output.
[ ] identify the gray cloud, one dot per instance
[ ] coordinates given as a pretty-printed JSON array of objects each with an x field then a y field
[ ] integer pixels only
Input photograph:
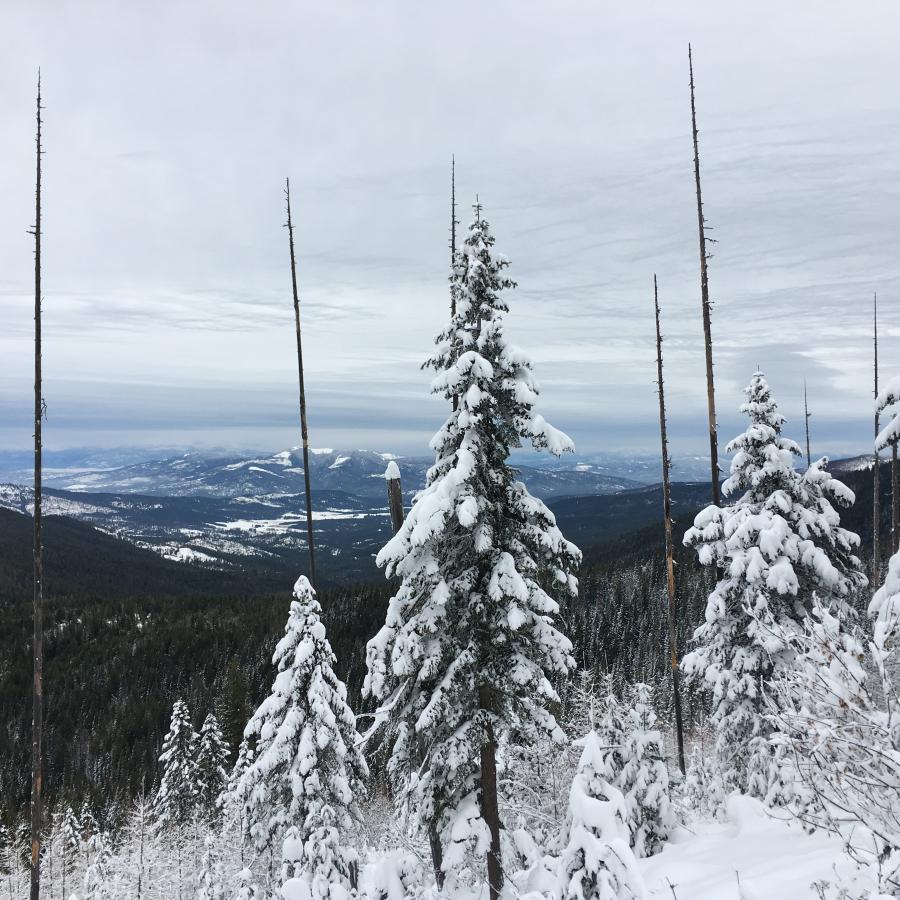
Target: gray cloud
[{"x": 169, "y": 131}]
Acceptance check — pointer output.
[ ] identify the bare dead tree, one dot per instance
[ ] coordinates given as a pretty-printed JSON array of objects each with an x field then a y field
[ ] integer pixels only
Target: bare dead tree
[
  {"x": 395, "y": 496},
  {"x": 876, "y": 468},
  {"x": 806, "y": 417},
  {"x": 705, "y": 304},
  {"x": 895, "y": 500},
  {"x": 453, "y": 223},
  {"x": 37, "y": 710},
  {"x": 304, "y": 432},
  {"x": 670, "y": 543}
]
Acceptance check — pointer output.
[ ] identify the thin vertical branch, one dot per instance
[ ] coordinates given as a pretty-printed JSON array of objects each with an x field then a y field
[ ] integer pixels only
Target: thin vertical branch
[
  {"x": 304, "y": 432},
  {"x": 670, "y": 544},
  {"x": 895, "y": 500},
  {"x": 806, "y": 416},
  {"x": 37, "y": 712},
  {"x": 704, "y": 298},
  {"x": 876, "y": 468}
]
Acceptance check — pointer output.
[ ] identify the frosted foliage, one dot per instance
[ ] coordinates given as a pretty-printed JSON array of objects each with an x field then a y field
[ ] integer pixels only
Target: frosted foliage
[
  {"x": 839, "y": 733},
  {"x": 469, "y": 641},
  {"x": 212, "y": 759},
  {"x": 307, "y": 771},
  {"x": 777, "y": 549}
]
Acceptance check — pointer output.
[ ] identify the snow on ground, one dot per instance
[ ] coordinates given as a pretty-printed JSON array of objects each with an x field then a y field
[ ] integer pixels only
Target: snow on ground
[{"x": 774, "y": 858}]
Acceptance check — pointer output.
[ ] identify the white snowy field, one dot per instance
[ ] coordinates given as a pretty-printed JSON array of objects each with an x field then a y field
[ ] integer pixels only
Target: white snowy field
[{"x": 752, "y": 855}]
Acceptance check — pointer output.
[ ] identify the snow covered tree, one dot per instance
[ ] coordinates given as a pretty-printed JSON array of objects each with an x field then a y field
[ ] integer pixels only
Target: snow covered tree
[
  {"x": 469, "y": 643},
  {"x": 778, "y": 549},
  {"x": 97, "y": 877},
  {"x": 70, "y": 841},
  {"x": 645, "y": 778},
  {"x": 611, "y": 732},
  {"x": 307, "y": 770},
  {"x": 212, "y": 757},
  {"x": 176, "y": 800},
  {"x": 597, "y": 863}
]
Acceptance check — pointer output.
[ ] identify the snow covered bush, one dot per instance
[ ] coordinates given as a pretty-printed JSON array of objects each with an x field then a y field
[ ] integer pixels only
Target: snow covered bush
[
  {"x": 778, "y": 550},
  {"x": 836, "y": 712},
  {"x": 597, "y": 862},
  {"x": 307, "y": 771},
  {"x": 469, "y": 643},
  {"x": 645, "y": 778}
]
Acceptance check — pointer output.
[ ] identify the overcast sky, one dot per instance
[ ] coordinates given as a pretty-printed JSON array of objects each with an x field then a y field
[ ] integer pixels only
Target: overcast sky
[{"x": 171, "y": 126}]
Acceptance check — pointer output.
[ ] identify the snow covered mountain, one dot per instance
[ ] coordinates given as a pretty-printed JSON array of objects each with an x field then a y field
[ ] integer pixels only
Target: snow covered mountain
[{"x": 358, "y": 473}]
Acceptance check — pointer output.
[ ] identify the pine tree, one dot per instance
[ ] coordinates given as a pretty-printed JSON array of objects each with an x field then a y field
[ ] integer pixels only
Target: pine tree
[
  {"x": 97, "y": 876},
  {"x": 212, "y": 757},
  {"x": 469, "y": 645},
  {"x": 778, "y": 549},
  {"x": 611, "y": 732},
  {"x": 71, "y": 841},
  {"x": 645, "y": 778},
  {"x": 307, "y": 770},
  {"x": 176, "y": 800},
  {"x": 597, "y": 863}
]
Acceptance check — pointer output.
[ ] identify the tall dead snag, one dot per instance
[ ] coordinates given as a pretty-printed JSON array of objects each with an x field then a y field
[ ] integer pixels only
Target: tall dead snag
[
  {"x": 304, "y": 433},
  {"x": 37, "y": 710},
  {"x": 670, "y": 544},
  {"x": 453, "y": 223},
  {"x": 704, "y": 297},
  {"x": 806, "y": 417},
  {"x": 876, "y": 467}
]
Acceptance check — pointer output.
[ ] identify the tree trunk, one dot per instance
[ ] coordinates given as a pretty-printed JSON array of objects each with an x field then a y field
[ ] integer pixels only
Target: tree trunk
[
  {"x": 704, "y": 299},
  {"x": 876, "y": 470},
  {"x": 37, "y": 712},
  {"x": 895, "y": 501},
  {"x": 490, "y": 808},
  {"x": 304, "y": 433},
  {"x": 670, "y": 545},
  {"x": 395, "y": 502},
  {"x": 806, "y": 415}
]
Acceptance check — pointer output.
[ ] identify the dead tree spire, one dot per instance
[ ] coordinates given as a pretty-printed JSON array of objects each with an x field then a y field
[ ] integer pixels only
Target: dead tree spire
[
  {"x": 670, "y": 543},
  {"x": 304, "y": 433},
  {"x": 806, "y": 417},
  {"x": 37, "y": 713},
  {"x": 876, "y": 473},
  {"x": 704, "y": 297}
]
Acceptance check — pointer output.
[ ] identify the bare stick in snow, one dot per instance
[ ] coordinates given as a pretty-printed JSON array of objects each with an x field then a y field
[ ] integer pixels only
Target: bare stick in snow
[{"x": 806, "y": 417}]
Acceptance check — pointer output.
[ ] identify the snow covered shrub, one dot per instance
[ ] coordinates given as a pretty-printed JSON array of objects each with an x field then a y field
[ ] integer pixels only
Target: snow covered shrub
[
  {"x": 645, "y": 778},
  {"x": 778, "y": 550},
  {"x": 469, "y": 644},
  {"x": 597, "y": 862},
  {"x": 703, "y": 793},
  {"x": 611, "y": 731},
  {"x": 397, "y": 876},
  {"x": 837, "y": 715},
  {"x": 307, "y": 771}
]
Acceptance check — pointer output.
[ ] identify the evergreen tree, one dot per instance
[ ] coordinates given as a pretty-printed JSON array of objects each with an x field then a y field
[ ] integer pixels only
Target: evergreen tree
[
  {"x": 97, "y": 875},
  {"x": 778, "y": 549},
  {"x": 597, "y": 863},
  {"x": 234, "y": 706},
  {"x": 307, "y": 770},
  {"x": 212, "y": 757},
  {"x": 645, "y": 778},
  {"x": 610, "y": 729},
  {"x": 177, "y": 797},
  {"x": 469, "y": 645}
]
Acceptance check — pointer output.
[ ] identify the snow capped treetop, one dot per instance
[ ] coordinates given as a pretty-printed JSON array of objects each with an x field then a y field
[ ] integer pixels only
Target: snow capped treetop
[
  {"x": 889, "y": 396},
  {"x": 392, "y": 472},
  {"x": 885, "y": 608},
  {"x": 763, "y": 460},
  {"x": 178, "y": 789}
]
